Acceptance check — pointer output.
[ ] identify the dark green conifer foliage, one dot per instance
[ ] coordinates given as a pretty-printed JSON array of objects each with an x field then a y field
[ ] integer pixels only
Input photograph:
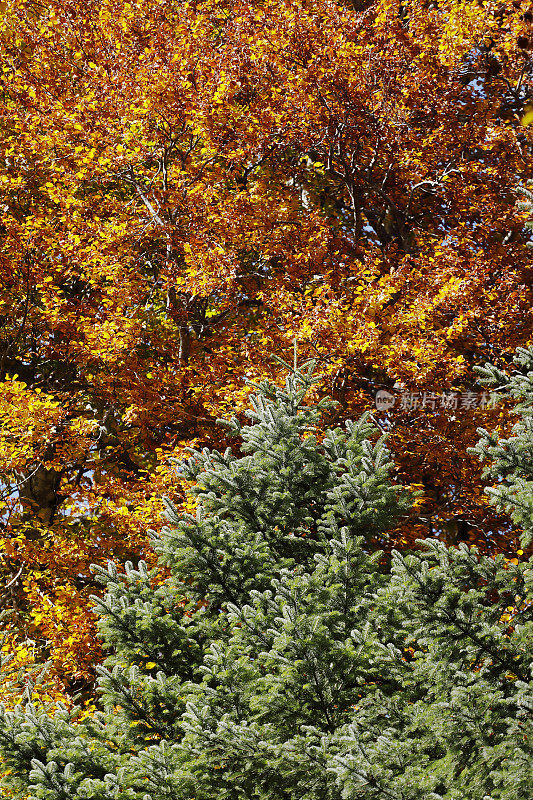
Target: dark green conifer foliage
[
  {"x": 510, "y": 460},
  {"x": 527, "y": 205},
  {"x": 298, "y": 667}
]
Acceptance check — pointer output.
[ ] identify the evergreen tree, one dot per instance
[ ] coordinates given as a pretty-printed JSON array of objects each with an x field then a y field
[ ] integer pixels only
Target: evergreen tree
[
  {"x": 527, "y": 205},
  {"x": 510, "y": 460},
  {"x": 281, "y": 659}
]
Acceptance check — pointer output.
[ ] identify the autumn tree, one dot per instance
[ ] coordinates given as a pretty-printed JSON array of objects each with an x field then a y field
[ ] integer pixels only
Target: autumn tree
[{"x": 186, "y": 188}]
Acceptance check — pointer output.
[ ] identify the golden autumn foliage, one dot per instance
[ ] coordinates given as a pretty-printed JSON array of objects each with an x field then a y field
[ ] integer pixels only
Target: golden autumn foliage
[{"x": 188, "y": 187}]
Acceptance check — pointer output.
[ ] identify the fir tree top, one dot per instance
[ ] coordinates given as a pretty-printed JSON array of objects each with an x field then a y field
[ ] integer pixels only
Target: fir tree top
[
  {"x": 509, "y": 461},
  {"x": 280, "y": 660}
]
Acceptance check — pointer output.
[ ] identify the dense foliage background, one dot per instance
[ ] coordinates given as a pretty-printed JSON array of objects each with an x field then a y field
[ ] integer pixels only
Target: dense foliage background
[{"x": 186, "y": 188}]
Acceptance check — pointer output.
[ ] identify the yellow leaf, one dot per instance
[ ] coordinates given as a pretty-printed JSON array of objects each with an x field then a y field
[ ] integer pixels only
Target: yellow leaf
[{"x": 527, "y": 119}]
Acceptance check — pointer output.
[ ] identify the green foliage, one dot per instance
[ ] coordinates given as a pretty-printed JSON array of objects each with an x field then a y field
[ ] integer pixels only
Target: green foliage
[
  {"x": 527, "y": 205},
  {"x": 510, "y": 460},
  {"x": 282, "y": 659}
]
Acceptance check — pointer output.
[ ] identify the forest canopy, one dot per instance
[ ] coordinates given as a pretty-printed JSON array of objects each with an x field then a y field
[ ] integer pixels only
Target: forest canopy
[{"x": 187, "y": 188}]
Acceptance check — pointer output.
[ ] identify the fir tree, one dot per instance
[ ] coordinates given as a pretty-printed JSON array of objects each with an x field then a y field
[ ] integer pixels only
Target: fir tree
[
  {"x": 509, "y": 461},
  {"x": 527, "y": 205},
  {"x": 282, "y": 660}
]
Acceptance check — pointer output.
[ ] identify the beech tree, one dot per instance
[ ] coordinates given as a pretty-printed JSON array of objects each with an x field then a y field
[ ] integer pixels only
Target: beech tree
[
  {"x": 281, "y": 658},
  {"x": 188, "y": 187}
]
